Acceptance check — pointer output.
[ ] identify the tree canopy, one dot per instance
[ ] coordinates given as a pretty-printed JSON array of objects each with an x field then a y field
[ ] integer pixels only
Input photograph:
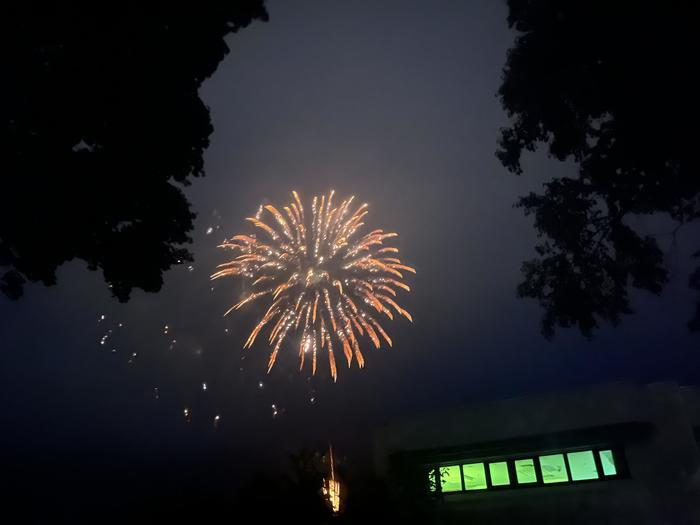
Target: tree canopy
[
  {"x": 101, "y": 125},
  {"x": 612, "y": 86}
]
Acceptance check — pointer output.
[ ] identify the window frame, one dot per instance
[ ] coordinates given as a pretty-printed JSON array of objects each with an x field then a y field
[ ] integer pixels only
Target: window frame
[{"x": 618, "y": 453}]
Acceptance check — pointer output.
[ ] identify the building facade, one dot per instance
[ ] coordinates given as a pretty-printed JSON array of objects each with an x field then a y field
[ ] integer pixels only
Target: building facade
[{"x": 607, "y": 454}]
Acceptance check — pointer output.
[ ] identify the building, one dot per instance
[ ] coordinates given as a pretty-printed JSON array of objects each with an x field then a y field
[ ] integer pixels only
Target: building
[{"x": 607, "y": 454}]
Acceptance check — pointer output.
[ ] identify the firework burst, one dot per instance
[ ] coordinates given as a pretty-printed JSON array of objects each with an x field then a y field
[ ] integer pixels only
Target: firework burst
[{"x": 322, "y": 279}]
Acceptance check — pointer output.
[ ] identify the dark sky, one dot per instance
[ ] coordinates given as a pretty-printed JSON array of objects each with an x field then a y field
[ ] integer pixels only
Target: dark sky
[{"x": 394, "y": 103}]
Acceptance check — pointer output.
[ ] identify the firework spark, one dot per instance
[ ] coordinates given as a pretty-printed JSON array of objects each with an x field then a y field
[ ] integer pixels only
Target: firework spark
[
  {"x": 331, "y": 486},
  {"x": 321, "y": 279}
]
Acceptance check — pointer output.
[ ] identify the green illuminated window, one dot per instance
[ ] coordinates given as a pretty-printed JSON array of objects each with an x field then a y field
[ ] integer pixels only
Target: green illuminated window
[
  {"x": 553, "y": 468},
  {"x": 450, "y": 479},
  {"x": 547, "y": 469},
  {"x": 582, "y": 465},
  {"x": 525, "y": 471},
  {"x": 608, "y": 462},
  {"x": 474, "y": 476},
  {"x": 499, "y": 474}
]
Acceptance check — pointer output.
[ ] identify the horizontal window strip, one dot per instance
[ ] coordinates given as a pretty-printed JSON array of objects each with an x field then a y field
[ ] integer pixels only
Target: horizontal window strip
[{"x": 538, "y": 469}]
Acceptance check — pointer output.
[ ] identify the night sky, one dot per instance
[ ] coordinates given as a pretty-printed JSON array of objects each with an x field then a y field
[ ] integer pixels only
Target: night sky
[{"x": 394, "y": 103}]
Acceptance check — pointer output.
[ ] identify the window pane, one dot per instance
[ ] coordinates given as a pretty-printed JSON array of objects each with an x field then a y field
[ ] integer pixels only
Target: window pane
[
  {"x": 608, "y": 462},
  {"x": 553, "y": 468},
  {"x": 499, "y": 473},
  {"x": 525, "y": 471},
  {"x": 450, "y": 479},
  {"x": 582, "y": 465},
  {"x": 432, "y": 486},
  {"x": 474, "y": 476}
]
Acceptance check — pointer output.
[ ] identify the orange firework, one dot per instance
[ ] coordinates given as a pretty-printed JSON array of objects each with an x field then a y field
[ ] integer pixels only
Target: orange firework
[{"x": 321, "y": 278}]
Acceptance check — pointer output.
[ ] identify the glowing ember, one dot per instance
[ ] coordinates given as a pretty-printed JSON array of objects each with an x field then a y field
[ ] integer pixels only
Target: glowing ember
[{"x": 331, "y": 486}]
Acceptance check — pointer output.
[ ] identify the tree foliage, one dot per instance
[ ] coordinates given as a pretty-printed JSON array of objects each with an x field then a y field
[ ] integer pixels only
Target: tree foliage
[
  {"x": 101, "y": 126},
  {"x": 612, "y": 86}
]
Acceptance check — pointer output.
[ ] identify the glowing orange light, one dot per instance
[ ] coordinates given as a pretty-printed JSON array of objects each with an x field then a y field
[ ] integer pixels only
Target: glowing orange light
[
  {"x": 321, "y": 278},
  {"x": 331, "y": 486}
]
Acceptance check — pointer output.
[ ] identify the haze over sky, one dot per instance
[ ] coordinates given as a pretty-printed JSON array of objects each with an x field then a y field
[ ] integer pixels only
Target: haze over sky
[{"x": 394, "y": 103}]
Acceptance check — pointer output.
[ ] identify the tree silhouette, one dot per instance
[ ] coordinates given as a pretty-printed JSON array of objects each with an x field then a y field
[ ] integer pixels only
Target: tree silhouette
[
  {"x": 101, "y": 126},
  {"x": 610, "y": 85},
  {"x": 293, "y": 494}
]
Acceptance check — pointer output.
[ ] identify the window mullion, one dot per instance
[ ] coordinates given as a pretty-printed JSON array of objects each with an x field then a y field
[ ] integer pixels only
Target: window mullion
[
  {"x": 598, "y": 463},
  {"x": 568, "y": 467}
]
